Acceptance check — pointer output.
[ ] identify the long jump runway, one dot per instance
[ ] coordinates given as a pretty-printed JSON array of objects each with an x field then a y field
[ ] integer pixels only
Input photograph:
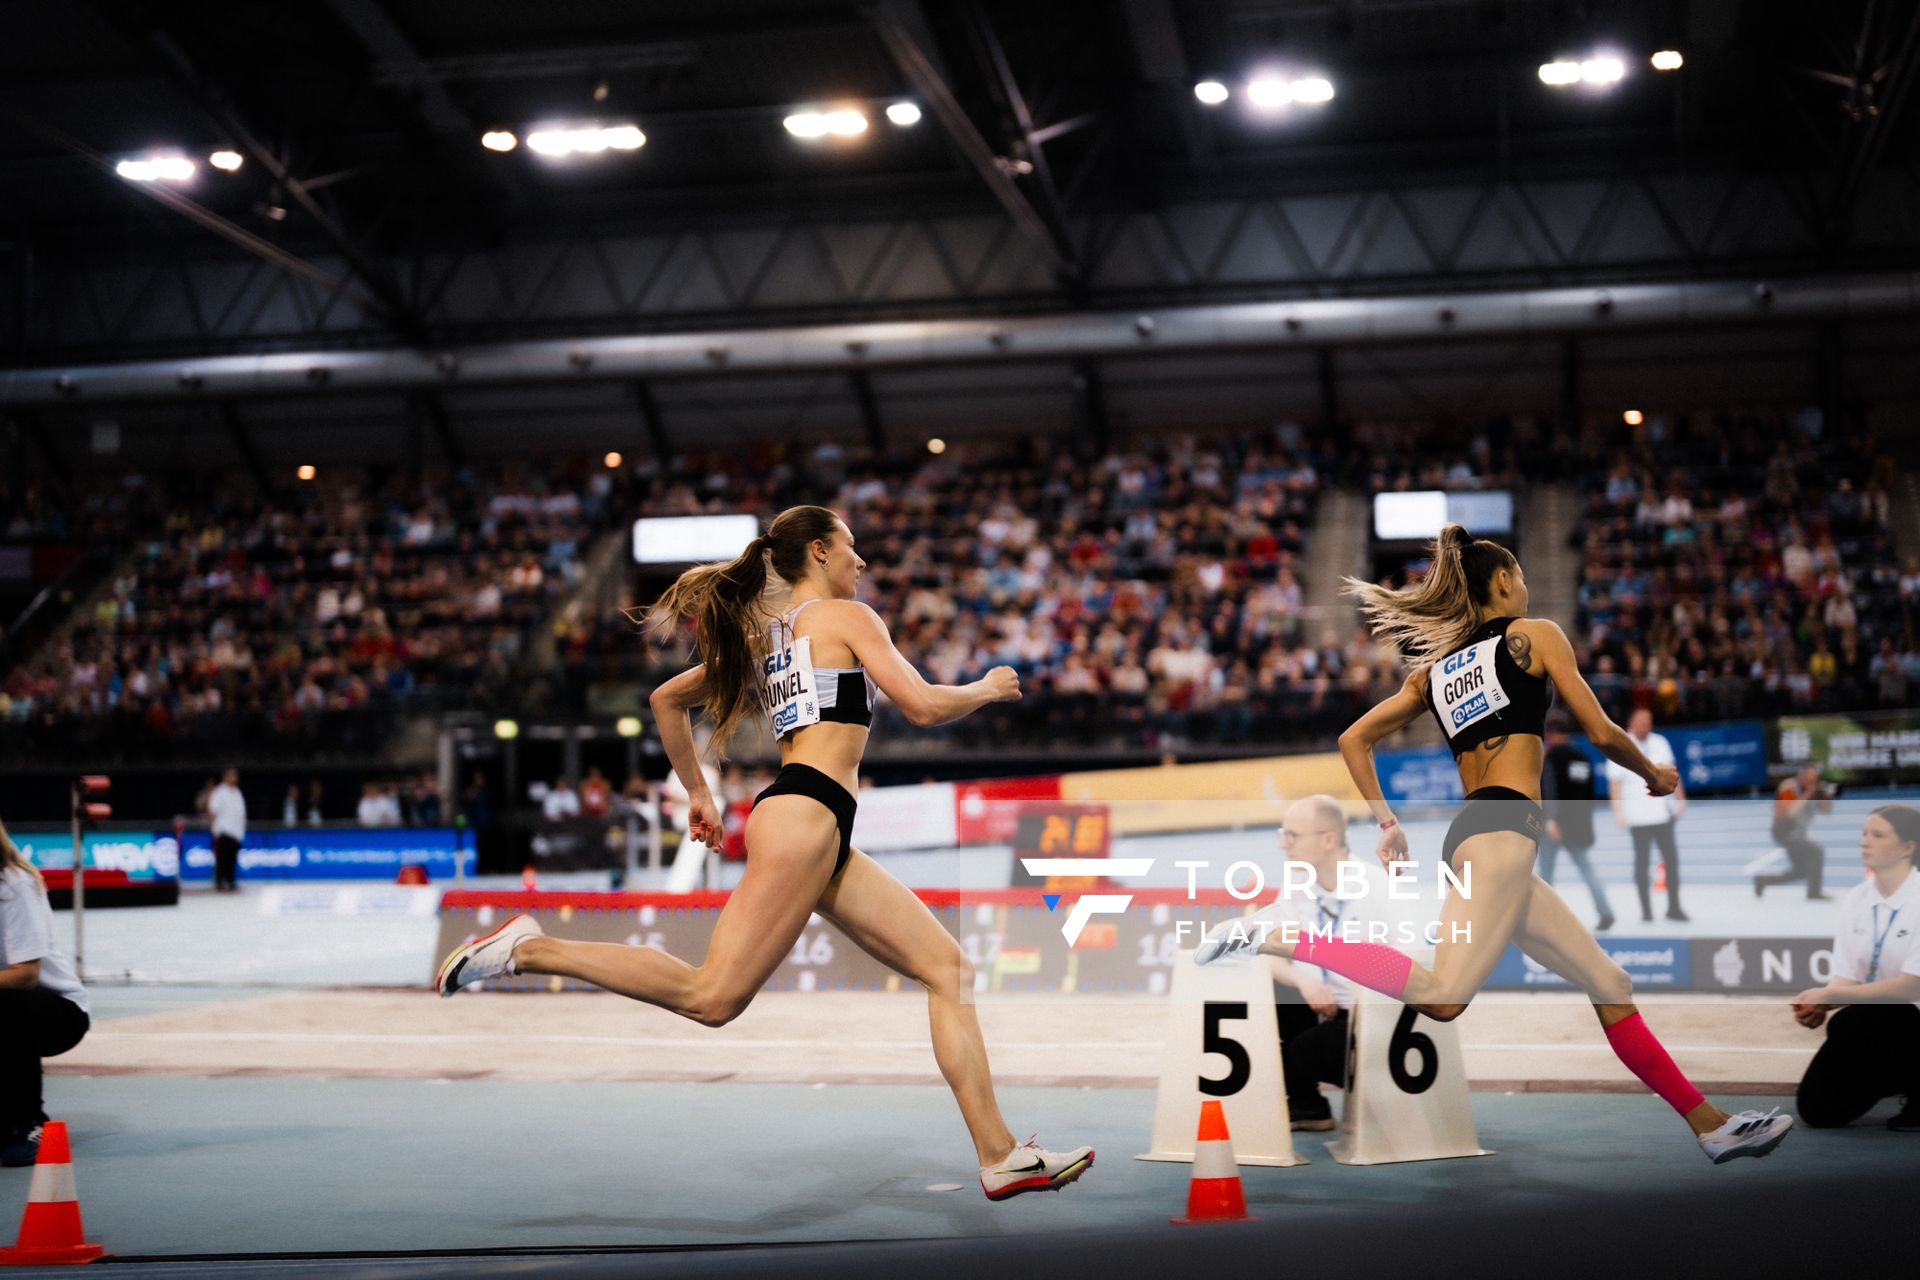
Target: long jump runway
[{"x": 472, "y": 1178}]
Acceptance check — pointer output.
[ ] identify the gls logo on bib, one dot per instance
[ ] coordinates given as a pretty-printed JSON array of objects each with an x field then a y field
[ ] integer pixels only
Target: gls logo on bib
[{"x": 1468, "y": 688}]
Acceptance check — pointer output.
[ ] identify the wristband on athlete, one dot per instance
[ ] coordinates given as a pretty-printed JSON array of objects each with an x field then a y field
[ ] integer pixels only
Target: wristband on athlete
[{"x": 1390, "y": 824}]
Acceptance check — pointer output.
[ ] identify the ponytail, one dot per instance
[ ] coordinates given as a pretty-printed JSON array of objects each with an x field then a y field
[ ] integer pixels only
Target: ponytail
[
  {"x": 1430, "y": 618},
  {"x": 728, "y": 603}
]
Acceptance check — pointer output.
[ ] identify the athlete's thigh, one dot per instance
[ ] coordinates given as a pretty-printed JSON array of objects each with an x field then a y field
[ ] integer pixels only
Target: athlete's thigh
[
  {"x": 791, "y": 844},
  {"x": 1550, "y": 933},
  {"x": 888, "y": 921},
  {"x": 1476, "y": 926}
]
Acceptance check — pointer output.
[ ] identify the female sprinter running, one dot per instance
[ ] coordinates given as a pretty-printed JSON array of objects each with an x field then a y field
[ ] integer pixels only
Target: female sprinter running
[
  {"x": 813, "y": 669},
  {"x": 1486, "y": 672}
]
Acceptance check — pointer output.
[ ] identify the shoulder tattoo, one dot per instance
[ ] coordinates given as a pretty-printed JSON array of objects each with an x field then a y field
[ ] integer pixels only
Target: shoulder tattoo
[{"x": 1520, "y": 647}]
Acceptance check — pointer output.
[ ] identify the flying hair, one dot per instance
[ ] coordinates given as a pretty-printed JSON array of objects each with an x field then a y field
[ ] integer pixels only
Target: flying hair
[
  {"x": 1435, "y": 615},
  {"x": 730, "y": 605}
]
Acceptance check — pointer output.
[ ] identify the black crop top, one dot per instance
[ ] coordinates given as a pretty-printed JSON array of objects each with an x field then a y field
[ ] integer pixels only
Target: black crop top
[{"x": 1478, "y": 692}]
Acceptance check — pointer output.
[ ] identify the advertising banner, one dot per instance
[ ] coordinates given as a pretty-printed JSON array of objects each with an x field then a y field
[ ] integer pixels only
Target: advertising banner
[
  {"x": 1878, "y": 749},
  {"x": 139, "y": 857},
  {"x": 322, "y": 854},
  {"x": 987, "y": 812},
  {"x": 1654, "y": 964},
  {"x": 1419, "y": 777},
  {"x": 1784, "y": 965},
  {"x": 893, "y": 818},
  {"x": 1212, "y": 796}
]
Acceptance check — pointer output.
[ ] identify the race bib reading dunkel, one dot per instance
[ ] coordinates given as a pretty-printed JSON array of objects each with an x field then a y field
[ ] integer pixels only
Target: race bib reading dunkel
[
  {"x": 1465, "y": 687},
  {"x": 787, "y": 689}
]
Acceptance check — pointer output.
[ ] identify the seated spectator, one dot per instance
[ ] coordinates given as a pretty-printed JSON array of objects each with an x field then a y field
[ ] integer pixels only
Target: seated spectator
[{"x": 596, "y": 794}]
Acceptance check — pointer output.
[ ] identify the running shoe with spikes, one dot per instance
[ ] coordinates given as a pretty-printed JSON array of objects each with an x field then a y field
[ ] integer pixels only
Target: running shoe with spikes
[
  {"x": 1029, "y": 1167},
  {"x": 486, "y": 957},
  {"x": 1751, "y": 1133}
]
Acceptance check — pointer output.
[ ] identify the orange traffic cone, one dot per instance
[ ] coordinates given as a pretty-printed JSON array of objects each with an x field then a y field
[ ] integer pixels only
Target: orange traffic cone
[
  {"x": 51, "y": 1233},
  {"x": 1660, "y": 876},
  {"x": 1215, "y": 1194}
]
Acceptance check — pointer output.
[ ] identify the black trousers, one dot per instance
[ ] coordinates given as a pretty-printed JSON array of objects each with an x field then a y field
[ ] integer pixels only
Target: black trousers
[
  {"x": 1312, "y": 1053},
  {"x": 226, "y": 862},
  {"x": 1872, "y": 1051},
  {"x": 1644, "y": 838},
  {"x": 1808, "y": 859},
  {"x": 34, "y": 1024}
]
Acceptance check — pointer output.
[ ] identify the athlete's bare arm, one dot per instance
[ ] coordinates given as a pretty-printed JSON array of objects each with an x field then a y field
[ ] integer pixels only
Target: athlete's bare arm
[
  {"x": 1356, "y": 748},
  {"x": 1547, "y": 649},
  {"x": 922, "y": 703},
  {"x": 673, "y": 704}
]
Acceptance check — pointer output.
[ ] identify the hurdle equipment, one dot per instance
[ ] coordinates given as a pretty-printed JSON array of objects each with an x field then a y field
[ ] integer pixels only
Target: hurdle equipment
[
  {"x": 50, "y": 1230},
  {"x": 1222, "y": 1014},
  {"x": 1406, "y": 1088},
  {"x": 1214, "y": 1193}
]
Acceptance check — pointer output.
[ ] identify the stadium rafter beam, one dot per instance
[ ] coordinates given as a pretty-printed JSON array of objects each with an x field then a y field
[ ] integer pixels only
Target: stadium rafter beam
[
  {"x": 1024, "y": 143},
  {"x": 902, "y": 27},
  {"x": 1878, "y": 89},
  {"x": 225, "y": 228},
  {"x": 150, "y": 25}
]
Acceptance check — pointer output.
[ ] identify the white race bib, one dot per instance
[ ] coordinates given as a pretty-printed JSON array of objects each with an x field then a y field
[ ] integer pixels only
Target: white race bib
[
  {"x": 1466, "y": 688},
  {"x": 787, "y": 687}
]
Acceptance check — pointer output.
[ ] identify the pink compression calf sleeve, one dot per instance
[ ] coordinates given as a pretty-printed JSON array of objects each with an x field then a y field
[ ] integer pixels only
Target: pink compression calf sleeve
[
  {"x": 1373, "y": 966},
  {"x": 1636, "y": 1047}
]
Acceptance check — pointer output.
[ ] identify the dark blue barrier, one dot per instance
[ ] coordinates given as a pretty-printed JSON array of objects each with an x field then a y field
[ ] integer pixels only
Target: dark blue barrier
[
  {"x": 1654, "y": 964},
  {"x": 278, "y": 853}
]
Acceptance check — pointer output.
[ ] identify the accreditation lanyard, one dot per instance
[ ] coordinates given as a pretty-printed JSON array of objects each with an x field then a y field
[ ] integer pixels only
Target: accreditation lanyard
[{"x": 1880, "y": 939}]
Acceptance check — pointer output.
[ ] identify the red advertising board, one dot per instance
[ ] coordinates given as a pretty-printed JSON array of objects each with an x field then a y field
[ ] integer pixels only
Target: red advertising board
[{"x": 988, "y": 811}]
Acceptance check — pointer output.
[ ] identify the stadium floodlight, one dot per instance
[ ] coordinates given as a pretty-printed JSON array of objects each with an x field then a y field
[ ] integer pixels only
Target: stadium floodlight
[
  {"x": 936, "y": 446},
  {"x": 226, "y": 161},
  {"x": 1604, "y": 69},
  {"x": 846, "y": 123},
  {"x": 499, "y": 140},
  {"x": 1667, "y": 60},
  {"x": 613, "y": 460},
  {"x": 1269, "y": 93},
  {"x": 1559, "y": 74},
  {"x": 904, "y": 114},
  {"x": 627, "y": 726},
  {"x": 1313, "y": 90},
  {"x": 306, "y": 471},
  {"x": 585, "y": 140},
  {"x": 1633, "y": 417},
  {"x": 806, "y": 124},
  {"x": 167, "y": 168},
  {"x": 1211, "y": 92},
  {"x": 506, "y": 730}
]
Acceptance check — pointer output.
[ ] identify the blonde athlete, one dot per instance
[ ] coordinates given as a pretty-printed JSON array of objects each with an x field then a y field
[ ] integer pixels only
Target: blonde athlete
[
  {"x": 813, "y": 670},
  {"x": 1486, "y": 672}
]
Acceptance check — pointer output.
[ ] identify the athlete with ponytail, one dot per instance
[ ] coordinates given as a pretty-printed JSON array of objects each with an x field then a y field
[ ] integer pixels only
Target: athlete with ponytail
[
  {"x": 1486, "y": 672},
  {"x": 812, "y": 668}
]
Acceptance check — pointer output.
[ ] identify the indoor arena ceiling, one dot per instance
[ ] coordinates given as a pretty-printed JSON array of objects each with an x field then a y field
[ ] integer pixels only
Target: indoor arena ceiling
[
  {"x": 1003, "y": 157},
  {"x": 360, "y": 121}
]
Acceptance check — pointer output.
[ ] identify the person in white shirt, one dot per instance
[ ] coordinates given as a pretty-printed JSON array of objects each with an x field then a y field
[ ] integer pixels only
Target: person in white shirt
[
  {"x": 43, "y": 1007},
  {"x": 1649, "y": 819},
  {"x": 227, "y": 811},
  {"x": 1312, "y": 1004},
  {"x": 1872, "y": 1050},
  {"x": 562, "y": 801}
]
